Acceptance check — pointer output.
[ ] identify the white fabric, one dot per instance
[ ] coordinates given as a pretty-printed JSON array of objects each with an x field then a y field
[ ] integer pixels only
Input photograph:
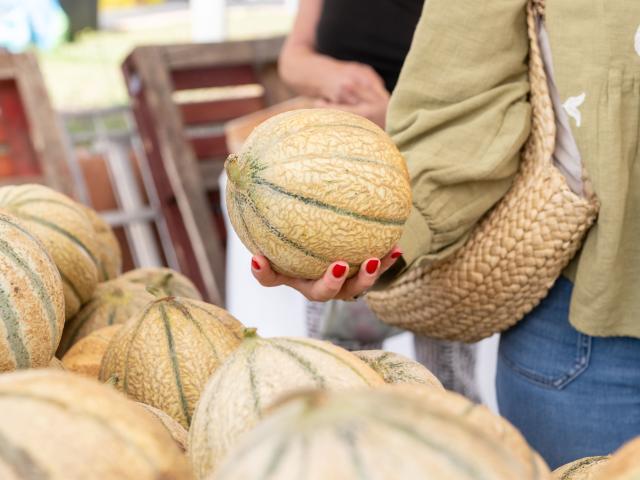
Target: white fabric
[{"x": 566, "y": 155}]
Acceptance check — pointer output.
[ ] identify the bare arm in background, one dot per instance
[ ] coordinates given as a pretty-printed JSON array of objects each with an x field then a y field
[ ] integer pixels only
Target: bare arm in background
[{"x": 351, "y": 86}]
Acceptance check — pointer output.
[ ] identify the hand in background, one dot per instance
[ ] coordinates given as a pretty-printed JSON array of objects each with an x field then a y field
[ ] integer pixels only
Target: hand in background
[{"x": 350, "y": 83}]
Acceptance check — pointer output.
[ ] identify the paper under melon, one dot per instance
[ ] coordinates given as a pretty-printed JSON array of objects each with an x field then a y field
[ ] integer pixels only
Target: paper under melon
[
  {"x": 258, "y": 373},
  {"x": 31, "y": 299},
  {"x": 313, "y": 186}
]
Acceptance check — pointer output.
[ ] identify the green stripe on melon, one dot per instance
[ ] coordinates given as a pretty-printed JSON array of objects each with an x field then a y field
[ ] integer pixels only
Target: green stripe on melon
[
  {"x": 374, "y": 434},
  {"x": 164, "y": 355},
  {"x": 256, "y": 375},
  {"x": 31, "y": 299},
  {"x": 63, "y": 227},
  {"x": 314, "y": 186}
]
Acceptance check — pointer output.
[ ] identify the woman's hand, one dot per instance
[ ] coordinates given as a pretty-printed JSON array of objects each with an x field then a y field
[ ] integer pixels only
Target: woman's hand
[
  {"x": 372, "y": 107},
  {"x": 351, "y": 83},
  {"x": 333, "y": 284}
]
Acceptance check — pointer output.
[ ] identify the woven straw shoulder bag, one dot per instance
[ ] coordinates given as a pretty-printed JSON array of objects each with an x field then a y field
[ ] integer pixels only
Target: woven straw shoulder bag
[{"x": 514, "y": 255}]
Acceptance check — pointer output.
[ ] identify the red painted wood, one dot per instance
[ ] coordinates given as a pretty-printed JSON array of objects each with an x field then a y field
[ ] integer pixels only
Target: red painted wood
[
  {"x": 219, "y": 111},
  {"x": 213, "y": 77},
  {"x": 170, "y": 211},
  {"x": 207, "y": 148},
  {"x": 20, "y": 156}
]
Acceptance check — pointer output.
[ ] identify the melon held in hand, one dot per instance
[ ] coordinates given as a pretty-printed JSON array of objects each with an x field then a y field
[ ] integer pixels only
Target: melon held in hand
[{"x": 314, "y": 186}]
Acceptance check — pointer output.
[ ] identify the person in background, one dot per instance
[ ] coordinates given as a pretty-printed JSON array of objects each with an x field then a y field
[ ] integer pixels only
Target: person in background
[
  {"x": 347, "y": 54},
  {"x": 569, "y": 372}
]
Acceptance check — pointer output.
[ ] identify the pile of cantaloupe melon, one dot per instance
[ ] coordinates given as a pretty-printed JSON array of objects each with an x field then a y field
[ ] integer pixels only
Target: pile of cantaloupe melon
[{"x": 155, "y": 383}]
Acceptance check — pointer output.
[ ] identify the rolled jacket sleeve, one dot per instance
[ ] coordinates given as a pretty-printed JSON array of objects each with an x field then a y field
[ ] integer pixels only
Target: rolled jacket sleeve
[{"x": 460, "y": 116}]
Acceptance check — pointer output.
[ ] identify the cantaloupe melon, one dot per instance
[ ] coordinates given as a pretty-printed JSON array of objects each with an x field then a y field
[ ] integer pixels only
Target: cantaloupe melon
[
  {"x": 313, "y": 186},
  {"x": 31, "y": 299},
  {"x": 164, "y": 355},
  {"x": 582, "y": 469},
  {"x": 624, "y": 464},
  {"x": 56, "y": 425},
  {"x": 370, "y": 434},
  {"x": 163, "y": 281},
  {"x": 453, "y": 404},
  {"x": 395, "y": 368},
  {"x": 257, "y": 374},
  {"x": 66, "y": 232},
  {"x": 85, "y": 356},
  {"x": 113, "y": 302},
  {"x": 177, "y": 431},
  {"x": 109, "y": 252}
]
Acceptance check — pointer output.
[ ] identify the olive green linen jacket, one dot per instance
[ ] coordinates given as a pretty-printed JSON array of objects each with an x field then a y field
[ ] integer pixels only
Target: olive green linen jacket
[{"x": 460, "y": 115}]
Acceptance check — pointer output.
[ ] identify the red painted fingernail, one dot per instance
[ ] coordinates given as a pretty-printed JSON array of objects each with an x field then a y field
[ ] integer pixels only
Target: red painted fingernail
[
  {"x": 372, "y": 266},
  {"x": 255, "y": 265},
  {"x": 396, "y": 254},
  {"x": 338, "y": 270}
]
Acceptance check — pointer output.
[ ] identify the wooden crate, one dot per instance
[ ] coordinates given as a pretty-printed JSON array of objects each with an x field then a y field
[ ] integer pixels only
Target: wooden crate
[
  {"x": 182, "y": 96},
  {"x": 32, "y": 139}
]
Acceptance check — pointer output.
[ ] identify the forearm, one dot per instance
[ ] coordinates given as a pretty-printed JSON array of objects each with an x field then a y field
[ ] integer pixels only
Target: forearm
[{"x": 460, "y": 117}]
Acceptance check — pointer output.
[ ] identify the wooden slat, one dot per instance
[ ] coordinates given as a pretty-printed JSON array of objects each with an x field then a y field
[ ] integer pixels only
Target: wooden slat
[
  {"x": 217, "y": 111},
  {"x": 47, "y": 133},
  {"x": 180, "y": 164},
  {"x": 188, "y": 56},
  {"x": 209, "y": 147},
  {"x": 213, "y": 76}
]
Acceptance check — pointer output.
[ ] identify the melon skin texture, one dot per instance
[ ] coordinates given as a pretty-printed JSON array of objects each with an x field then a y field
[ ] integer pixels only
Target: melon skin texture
[
  {"x": 373, "y": 435},
  {"x": 31, "y": 299},
  {"x": 112, "y": 303},
  {"x": 66, "y": 232},
  {"x": 177, "y": 431},
  {"x": 581, "y": 469},
  {"x": 314, "y": 186},
  {"x": 452, "y": 404},
  {"x": 395, "y": 368},
  {"x": 164, "y": 355},
  {"x": 259, "y": 373},
  {"x": 624, "y": 464},
  {"x": 56, "y": 425},
  {"x": 163, "y": 282},
  {"x": 109, "y": 252},
  {"x": 85, "y": 357}
]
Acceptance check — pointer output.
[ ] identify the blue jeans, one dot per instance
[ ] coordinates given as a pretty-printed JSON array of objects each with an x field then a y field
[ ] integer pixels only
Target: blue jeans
[{"x": 571, "y": 395}]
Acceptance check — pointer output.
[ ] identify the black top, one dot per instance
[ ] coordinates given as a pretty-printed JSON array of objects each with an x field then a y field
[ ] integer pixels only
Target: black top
[{"x": 375, "y": 32}]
